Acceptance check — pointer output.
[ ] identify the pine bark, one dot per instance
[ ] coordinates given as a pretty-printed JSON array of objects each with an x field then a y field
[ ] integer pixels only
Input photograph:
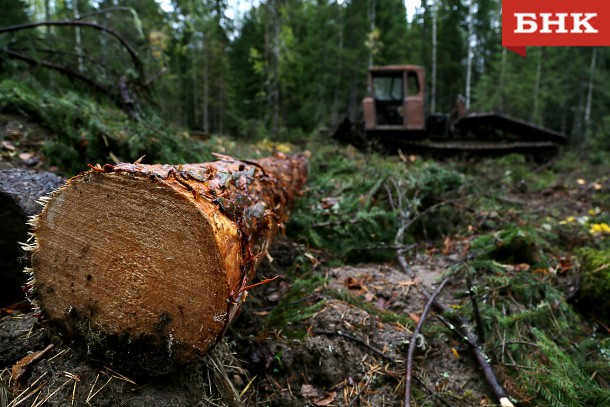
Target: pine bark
[{"x": 147, "y": 265}]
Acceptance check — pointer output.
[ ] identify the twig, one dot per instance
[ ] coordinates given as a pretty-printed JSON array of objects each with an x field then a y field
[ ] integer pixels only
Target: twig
[
  {"x": 336, "y": 223},
  {"x": 412, "y": 343},
  {"x": 475, "y": 309},
  {"x": 466, "y": 335}
]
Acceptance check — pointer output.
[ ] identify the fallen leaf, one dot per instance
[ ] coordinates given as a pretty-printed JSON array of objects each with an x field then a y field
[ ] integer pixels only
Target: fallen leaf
[
  {"x": 330, "y": 397},
  {"x": 8, "y": 145},
  {"x": 22, "y": 368},
  {"x": 368, "y": 297},
  {"x": 382, "y": 303},
  {"x": 414, "y": 317},
  {"x": 26, "y": 156},
  {"x": 565, "y": 264},
  {"x": 522, "y": 267},
  {"x": 312, "y": 259},
  {"x": 356, "y": 284},
  {"x": 446, "y": 246},
  {"x": 329, "y": 202},
  {"x": 455, "y": 353},
  {"x": 308, "y": 391}
]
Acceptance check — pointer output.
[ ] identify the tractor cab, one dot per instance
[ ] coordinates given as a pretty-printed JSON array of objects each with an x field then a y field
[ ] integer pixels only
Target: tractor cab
[{"x": 396, "y": 99}]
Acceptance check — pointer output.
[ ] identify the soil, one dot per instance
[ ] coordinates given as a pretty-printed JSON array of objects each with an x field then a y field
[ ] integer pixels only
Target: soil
[{"x": 345, "y": 355}]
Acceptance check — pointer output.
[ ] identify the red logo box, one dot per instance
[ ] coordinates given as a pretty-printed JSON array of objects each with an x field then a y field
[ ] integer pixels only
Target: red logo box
[{"x": 554, "y": 23}]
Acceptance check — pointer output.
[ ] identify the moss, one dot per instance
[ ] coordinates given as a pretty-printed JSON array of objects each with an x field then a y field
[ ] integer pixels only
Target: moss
[{"x": 594, "y": 294}]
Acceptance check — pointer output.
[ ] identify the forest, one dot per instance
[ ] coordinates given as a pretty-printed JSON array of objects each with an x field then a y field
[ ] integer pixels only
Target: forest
[{"x": 392, "y": 277}]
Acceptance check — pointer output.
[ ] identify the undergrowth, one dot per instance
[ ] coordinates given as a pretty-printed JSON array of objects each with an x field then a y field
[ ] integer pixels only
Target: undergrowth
[
  {"x": 545, "y": 351},
  {"x": 347, "y": 209},
  {"x": 87, "y": 131}
]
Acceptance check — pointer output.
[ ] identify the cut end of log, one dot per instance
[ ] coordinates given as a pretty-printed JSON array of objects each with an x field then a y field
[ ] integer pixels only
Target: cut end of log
[
  {"x": 142, "y": 266},
  {"x": 120, "y": 255}
]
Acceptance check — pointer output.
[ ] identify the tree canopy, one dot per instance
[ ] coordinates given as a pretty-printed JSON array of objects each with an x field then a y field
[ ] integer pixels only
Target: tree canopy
[{"x": 294, "y": 66}]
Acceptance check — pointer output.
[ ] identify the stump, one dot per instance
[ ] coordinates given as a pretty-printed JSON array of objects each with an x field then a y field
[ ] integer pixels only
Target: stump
[
  {"x": 19, "y": 190},
  {"x": 147, "y": 265}
]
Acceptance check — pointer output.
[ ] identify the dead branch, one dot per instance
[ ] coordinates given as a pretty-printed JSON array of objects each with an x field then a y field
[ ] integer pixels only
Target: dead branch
[
  {"x": 59, "y": 68},
  {"x": 475, "y": 309},
  {"x": 412, "y": 343},
  {"x": 63, "y": 55},
  {"x": 75, "y": 23},
  {"x": 463, "y": 331}
]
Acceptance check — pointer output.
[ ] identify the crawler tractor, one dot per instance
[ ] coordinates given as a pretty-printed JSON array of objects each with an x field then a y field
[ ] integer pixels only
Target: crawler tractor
[{"x": 394, "y": 116}]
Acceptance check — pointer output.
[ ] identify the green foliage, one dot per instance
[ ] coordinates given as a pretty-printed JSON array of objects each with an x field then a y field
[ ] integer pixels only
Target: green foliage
[
  {"x": 513, "y": 245},
  {"x": 594, "y": 294},
  {"x": 537, "y": 339},
  {"x": 294, "y": 305},
  {"x": 86, "y": 131},
  {"x": 300, "y": 302},
  {"x": 347, "y": 209},
  {"x": 558, "y": 378}
]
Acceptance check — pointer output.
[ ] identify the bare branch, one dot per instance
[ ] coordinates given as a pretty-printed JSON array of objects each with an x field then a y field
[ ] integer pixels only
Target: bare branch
[
  {"x": 411, "y": 352},
  {"x": 464, "y": 333},
  {"x": 75, "y": 23},
  {"x": 59, "y": 68}
]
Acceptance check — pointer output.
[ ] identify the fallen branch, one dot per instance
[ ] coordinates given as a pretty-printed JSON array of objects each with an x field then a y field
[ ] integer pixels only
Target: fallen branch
[
  {"x": 59, "y": 68},
  {"x": 412, "y": 343},
  {"x": 475, "y": 309},
  {"x": 22, "y": 368},
  {"x": 465, "y": 334},
  {"x": 76, "y": 23}
]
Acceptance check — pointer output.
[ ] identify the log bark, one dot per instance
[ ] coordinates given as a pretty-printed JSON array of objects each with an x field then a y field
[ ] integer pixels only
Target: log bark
[
  {"x": 19, "y": 190},
  {"x": 147, "y": 265}
]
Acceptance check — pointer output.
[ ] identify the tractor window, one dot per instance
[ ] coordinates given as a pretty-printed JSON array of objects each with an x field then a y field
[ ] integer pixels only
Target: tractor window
[
  {"x": 412, "y": 84},
  {"x": 388, "y": 88}
]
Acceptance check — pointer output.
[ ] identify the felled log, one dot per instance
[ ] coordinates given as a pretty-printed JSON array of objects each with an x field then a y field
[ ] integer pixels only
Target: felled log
[
  {"x": 147, "y": 265},
  {"x": 19, "y": 190}
]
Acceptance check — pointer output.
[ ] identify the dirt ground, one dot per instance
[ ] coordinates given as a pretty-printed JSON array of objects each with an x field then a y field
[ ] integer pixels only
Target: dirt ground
[{"x": 342, "y": 355}]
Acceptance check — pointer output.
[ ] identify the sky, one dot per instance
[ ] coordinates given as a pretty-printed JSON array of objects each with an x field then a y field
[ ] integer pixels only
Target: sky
[{"x": 242, "y": 6}]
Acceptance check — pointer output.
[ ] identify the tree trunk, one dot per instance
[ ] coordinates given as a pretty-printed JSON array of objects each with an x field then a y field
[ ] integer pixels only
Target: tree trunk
[
  {"x": 206, "y": 83},
  {"x": 19, "y": 190},
  {"x": 535, "y": 118},
  {"x": 47, "y": 15},
  {"x": 470, "y": 55},
  {"x": 503, "y": 80},
  {"x": 147, "y": 265},
  {"x": 590, "y": 95},
  {"x": 434, "y": 58},
  {"x": 79, "y": 45}
]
